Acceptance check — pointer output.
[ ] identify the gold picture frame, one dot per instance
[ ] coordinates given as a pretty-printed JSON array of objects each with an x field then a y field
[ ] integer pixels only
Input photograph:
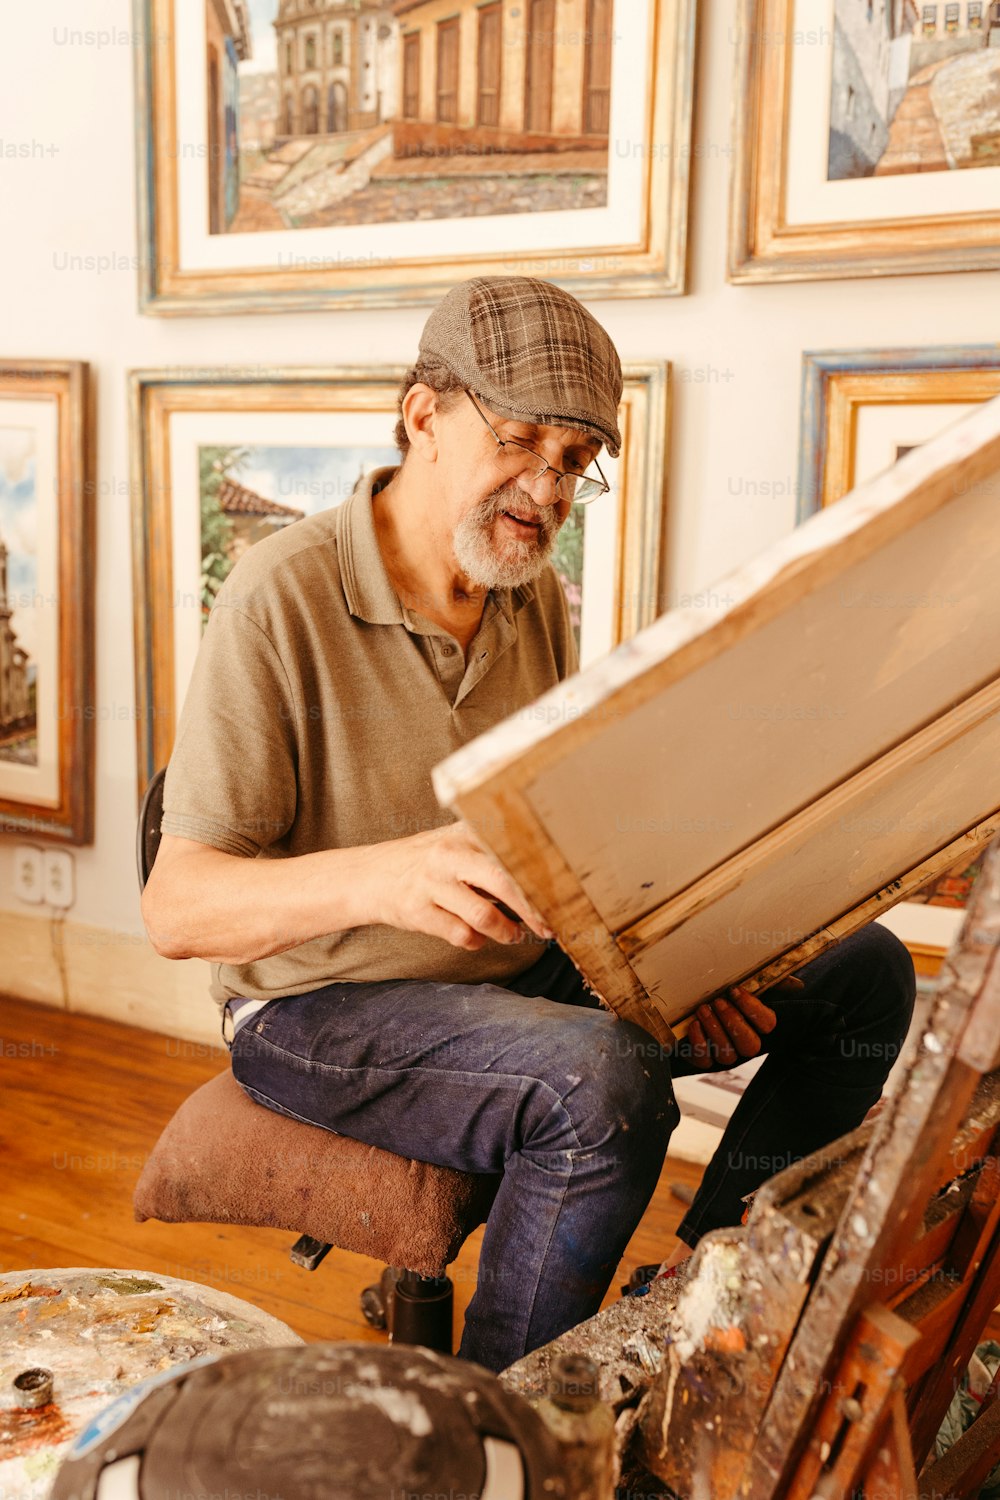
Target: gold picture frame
[
  {"x": 294, "y": 414},
  {"x": 191, "y": 260},
  {"x": 788, "y": 221},
  {"x": 48, "y": 712}
]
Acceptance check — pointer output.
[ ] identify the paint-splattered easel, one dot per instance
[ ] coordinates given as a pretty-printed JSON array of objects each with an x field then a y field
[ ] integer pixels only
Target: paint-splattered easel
[{"x": 813, "y": 1354}]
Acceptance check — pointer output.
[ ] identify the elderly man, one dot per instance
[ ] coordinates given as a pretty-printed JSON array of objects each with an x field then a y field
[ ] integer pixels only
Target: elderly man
[{"x": 372, "y": 979}]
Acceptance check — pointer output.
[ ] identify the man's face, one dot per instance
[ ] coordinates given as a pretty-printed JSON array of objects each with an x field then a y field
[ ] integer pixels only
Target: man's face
[{"x": 504, "y": 538}]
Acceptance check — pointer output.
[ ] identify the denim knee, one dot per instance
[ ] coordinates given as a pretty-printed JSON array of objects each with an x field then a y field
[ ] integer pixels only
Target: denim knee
[
  {"x": 627, "y": 1085},
  {"x": 886, "y": 963}
]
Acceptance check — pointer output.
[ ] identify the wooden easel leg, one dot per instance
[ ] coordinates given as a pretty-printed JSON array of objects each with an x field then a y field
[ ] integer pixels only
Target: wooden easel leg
[
  {"x": 861, "y": 1406},
  {"x": 891, "y": 1471}
]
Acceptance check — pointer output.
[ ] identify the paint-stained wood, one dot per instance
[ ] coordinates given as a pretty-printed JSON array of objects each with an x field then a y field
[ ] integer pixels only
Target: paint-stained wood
[
  {"x": 763, "y": 774},
  {"x": 855, "y": 1406},
  {"x": 903, "y": 1169},
  {"x": 720, "y": 1341},
  {"x": 892, "y": 1471},
  {"x": 816, "y": 1349}
]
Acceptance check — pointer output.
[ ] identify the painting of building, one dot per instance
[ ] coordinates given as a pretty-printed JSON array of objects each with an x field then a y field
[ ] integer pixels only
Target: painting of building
[
  {"x": 393, "y": 110},
  {"x": 17, "y": 709},
  {"x": 512, "y": 77},
  {"x": 258, "y": 127},
  {"x": 252, "y": 516},
  {"x": 915, "y": 87},
  {"x": 237, "y": 485},
  {"x": 22, "y": 599},
  {"x": 336, "y": 66},
  {"x": 950, "y": 27},
  {"x": 871, "y": 66}
]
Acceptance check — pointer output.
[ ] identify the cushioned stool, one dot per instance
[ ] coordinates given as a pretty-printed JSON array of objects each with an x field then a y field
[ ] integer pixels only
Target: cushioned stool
[{"x": 224, "y": 1159}]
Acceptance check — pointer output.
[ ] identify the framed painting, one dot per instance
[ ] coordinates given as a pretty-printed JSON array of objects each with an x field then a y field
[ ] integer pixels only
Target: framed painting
[
  {"x": 373, "y": 153},
  {"x": 47, "y": 703},
  {"x": 222, "y": 459},
  {"x": 866, "y": 138},
  {"x": 862, "y": 411}
]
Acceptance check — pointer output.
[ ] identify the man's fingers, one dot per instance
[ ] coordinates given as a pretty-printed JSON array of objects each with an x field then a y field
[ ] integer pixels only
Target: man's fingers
[
  {"x": 481, "y": 913},
  {"x": 514, "y": 898},
  {"x": 722, "y": 1047},
  {"x": 761, "y": 1017},
  {"x": 744, "y": 1038},
  {"x": 698, "y": 1047},
  {"x": 444, "y": 924},
  {"x": 496, "y": 885}
]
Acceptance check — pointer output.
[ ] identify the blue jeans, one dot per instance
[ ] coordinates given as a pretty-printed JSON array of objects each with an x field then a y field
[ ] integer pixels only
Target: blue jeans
[{"x": 573, "y": 1106}]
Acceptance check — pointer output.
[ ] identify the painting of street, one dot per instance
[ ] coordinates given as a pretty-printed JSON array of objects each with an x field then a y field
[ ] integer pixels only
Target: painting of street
[
  {"x": 338, "y": 112},
  {"x": 915, "y": 87},
  {"x": 18, "y": 596}
]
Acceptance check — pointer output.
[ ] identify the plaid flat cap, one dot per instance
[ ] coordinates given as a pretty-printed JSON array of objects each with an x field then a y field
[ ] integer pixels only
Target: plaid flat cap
[{"x": 531, "y": 351}]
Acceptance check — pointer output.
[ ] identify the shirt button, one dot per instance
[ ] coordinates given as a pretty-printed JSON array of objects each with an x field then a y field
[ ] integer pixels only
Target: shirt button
[{"x": 447, "y": 650}]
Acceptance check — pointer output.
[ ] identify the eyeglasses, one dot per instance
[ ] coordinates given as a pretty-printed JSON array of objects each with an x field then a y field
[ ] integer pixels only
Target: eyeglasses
[{"x": 578, "y": 488}]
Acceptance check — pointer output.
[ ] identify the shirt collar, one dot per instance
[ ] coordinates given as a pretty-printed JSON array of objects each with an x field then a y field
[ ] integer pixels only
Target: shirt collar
[{"x": 369, "y": 593}]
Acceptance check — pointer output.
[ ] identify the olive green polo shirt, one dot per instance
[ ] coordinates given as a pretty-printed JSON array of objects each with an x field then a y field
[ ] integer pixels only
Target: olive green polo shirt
[{"x": 318, "y": 707}]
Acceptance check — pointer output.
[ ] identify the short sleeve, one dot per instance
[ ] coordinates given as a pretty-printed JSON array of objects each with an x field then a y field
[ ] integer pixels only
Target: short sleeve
[{"x": 231, "y": 781}]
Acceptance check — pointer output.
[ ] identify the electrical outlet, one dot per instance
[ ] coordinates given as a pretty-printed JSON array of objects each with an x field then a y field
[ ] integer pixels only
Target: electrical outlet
[
  {"x": 57, "y": 877},
  {"x": 28, "y": 873}
]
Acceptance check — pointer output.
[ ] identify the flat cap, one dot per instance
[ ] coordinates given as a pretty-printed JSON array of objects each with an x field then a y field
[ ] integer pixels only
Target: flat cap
[{"x": 531, "y": 351}]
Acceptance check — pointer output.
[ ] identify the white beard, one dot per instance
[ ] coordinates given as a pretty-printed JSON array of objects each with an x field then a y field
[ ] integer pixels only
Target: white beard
[{"x": 515, "y": 560}]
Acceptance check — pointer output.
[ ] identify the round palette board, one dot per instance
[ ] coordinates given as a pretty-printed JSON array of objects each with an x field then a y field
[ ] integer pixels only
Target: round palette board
[{"x": 100, "y": 1332}]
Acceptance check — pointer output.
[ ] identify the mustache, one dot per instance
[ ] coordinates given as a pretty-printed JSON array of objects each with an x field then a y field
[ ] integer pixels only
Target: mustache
[{"x": 516, "y": 503}]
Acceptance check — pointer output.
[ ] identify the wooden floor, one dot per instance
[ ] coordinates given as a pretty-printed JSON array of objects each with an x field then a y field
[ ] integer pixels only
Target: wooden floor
[{"x": 82, "y": 1102}]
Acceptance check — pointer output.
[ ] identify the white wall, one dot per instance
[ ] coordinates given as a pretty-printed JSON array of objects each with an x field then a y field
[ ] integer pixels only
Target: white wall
[{"x": 733, "y": 431}]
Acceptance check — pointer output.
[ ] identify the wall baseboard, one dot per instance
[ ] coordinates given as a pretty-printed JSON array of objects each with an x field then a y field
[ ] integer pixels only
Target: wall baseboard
[{"x": 101, "y": 971}]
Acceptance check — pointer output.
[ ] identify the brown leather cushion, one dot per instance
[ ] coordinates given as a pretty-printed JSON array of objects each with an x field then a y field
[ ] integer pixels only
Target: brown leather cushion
[{"x": 224, "y": 1159}]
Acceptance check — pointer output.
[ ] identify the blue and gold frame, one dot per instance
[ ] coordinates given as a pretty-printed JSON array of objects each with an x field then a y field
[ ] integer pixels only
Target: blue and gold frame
[{"x": 840, "y": 386}]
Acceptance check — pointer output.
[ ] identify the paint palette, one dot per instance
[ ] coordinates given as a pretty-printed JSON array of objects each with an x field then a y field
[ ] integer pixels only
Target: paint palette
[{"x": 100, "y": 1332}]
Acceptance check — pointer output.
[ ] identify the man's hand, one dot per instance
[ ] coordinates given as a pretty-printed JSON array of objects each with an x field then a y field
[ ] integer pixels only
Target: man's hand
[
  {"x": 444, "y": 883},
  {"x": 726, "y": 1032}
]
